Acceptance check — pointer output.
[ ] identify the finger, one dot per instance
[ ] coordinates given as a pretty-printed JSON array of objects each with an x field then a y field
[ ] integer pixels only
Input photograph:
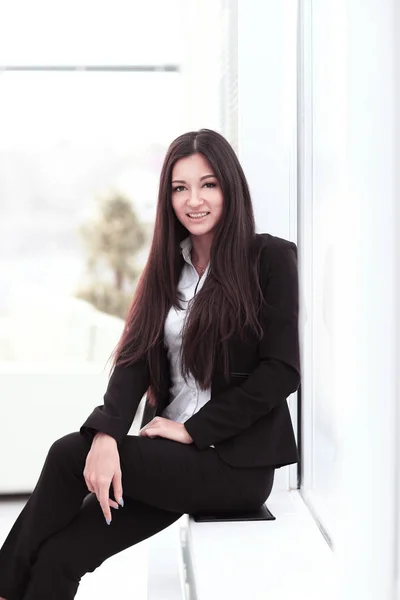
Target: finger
[
  {"x": 150, "y": 424},
  {"x": 117, "y": 487},
  {"x": 111, "y": 503},
  {"x": 89, "y": 486},
  {"x": 103, "y": 499},
  {"x": 149, "y": 433}
]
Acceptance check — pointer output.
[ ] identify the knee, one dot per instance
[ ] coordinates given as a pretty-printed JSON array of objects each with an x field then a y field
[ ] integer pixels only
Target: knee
[{"x": 66, "y": 445}]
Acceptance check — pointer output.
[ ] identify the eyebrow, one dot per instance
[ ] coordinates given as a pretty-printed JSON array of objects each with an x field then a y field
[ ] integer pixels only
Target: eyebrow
[{"x": 201, "y": 179}]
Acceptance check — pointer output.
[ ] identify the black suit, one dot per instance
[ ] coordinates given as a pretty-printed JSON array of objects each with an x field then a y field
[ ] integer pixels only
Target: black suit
[
  {"x": 60, "y": 534},
  {"x": 247, "y": 419}
]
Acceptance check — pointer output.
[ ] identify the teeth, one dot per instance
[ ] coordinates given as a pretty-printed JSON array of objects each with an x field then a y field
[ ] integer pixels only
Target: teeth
[{"x": 198, "y": 216}]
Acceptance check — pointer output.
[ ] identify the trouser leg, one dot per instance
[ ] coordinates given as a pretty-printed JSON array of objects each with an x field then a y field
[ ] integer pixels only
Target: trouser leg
[
  {"x": 54, "y": 502},
  {"x": 56, "y": 539},
  {"x": 87, "y": 542}
]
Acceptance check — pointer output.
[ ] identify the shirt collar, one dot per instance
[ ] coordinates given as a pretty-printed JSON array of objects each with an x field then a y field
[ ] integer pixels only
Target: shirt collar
[{"x": 186, "y": 247}]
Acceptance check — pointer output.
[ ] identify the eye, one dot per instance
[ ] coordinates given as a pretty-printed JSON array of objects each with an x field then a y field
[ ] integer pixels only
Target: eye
[{"x": 177, "y": 188}]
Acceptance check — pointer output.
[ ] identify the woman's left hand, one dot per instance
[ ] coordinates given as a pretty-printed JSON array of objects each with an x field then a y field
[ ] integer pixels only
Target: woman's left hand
[{"x": 161, "y": 427}]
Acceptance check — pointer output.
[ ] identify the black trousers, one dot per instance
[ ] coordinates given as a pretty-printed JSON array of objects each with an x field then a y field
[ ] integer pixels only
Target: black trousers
[{"x": 61, "y": 532}]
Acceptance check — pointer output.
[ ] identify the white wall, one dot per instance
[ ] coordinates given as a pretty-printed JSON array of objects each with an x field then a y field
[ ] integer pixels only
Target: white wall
[
  {"x": 365, "y": 311},
  {"x": 348, "y": 190},
  {"x": 396, "y": 25}
]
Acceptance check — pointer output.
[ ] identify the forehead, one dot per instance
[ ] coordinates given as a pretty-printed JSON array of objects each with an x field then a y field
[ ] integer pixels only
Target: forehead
[{"x": 191, "y": 165}]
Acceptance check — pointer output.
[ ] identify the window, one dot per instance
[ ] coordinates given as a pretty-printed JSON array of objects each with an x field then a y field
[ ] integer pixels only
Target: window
[{"x": 321, "y": 140}]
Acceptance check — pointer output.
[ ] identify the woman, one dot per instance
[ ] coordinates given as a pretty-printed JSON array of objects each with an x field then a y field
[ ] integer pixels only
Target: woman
[{"x": 212, "y": 337}]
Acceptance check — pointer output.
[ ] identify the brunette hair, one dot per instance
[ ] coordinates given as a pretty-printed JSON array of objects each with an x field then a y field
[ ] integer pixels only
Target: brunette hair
[{"x": 231, "y": 296}]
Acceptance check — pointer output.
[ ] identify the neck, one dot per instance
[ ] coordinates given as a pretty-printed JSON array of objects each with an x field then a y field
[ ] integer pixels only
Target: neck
[
  {"x": 201, "y": 248},
  {"x": 200, "y": 264}
]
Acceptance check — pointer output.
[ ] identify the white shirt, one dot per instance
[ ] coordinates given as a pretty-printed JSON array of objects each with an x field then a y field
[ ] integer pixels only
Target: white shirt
[{"x": 185, "y": 399}]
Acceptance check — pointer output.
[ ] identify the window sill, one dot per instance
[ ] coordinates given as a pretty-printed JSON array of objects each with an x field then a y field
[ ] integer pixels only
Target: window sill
[{"x": 288, "y": 557}]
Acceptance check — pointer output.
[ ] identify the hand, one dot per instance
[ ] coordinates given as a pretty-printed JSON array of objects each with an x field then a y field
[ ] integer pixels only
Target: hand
[
  {"x": 103, "y": 468},
  {"x": 161, "y": 427}
]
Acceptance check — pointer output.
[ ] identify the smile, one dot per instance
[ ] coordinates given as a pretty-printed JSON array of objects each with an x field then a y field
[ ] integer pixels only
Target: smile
[{"x": 198, "y": 217}]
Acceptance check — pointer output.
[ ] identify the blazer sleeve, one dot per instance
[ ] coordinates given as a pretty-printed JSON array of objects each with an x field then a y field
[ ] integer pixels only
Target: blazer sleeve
[
  {"x": 126, "y": 387},
  {"x": 277, "y": 374}
]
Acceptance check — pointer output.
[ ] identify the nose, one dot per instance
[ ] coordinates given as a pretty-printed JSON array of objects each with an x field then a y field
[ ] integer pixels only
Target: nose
[{"x": 195, "y": 199}]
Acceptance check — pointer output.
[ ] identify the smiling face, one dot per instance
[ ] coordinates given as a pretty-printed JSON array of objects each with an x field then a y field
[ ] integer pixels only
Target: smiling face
[{"x": 195, "y": 189}]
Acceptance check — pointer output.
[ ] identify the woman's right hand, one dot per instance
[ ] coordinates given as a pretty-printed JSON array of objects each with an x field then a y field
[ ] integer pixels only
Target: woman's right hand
[{"x": 103, "y": 468}]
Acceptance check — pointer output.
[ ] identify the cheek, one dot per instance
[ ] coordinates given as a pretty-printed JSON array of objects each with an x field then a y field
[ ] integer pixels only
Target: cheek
[
  {"x": 218, "y": 201},
  {"x": 176, "y": 205}
]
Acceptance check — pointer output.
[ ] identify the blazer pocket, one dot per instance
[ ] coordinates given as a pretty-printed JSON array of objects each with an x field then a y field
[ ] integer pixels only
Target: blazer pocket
[{"x": 239, "y": 374}]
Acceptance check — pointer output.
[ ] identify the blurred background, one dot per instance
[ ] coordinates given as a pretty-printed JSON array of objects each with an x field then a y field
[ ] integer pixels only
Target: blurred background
[
  {"x": 306, "y": 91},
  {"x": 91, "y": 95}
]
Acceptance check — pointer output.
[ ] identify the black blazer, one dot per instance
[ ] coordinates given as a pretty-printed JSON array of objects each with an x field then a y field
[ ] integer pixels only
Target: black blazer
[{"x": 246, "y": 418}]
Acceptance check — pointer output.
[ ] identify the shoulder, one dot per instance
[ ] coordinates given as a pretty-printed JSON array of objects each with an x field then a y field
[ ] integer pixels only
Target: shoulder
[
  {"x": 275, "y": 254},
  {"x": 271, "y": 246}
]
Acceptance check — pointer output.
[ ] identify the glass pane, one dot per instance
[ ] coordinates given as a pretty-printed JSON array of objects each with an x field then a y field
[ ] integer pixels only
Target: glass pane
[
  {"x": 121, "y": 32},
  {"x": 322, "y": 165},
  {"x": 68, "y": 140}
]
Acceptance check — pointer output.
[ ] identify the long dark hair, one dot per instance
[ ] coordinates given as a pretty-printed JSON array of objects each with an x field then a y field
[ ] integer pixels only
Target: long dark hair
[{"x": 231, "y": 296}]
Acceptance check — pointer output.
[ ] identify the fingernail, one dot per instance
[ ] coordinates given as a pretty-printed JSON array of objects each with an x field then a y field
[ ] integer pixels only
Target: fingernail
[
  {"x": 121, "y": 502},
  {"x": 108, "y": 521}
]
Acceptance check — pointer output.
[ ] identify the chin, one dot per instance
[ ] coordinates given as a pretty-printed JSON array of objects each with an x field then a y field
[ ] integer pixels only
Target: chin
[{"x": 200, "y": 228}]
